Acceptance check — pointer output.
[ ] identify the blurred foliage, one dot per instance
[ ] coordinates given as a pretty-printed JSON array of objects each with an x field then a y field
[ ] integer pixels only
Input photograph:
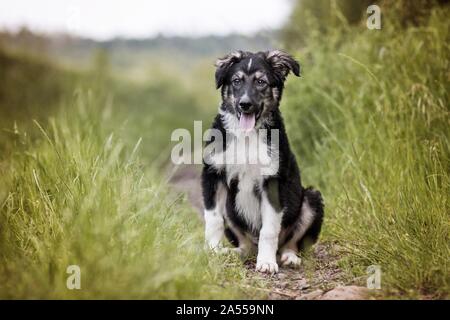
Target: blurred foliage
[
  {"x": 370, "y": 124},
  {"x": 82, "y": 154},
  {"x": 149, "y": 108},
  {"x": 368, "y": 120},
  {"x": 78, "y": 194},
  {"x": 18, "y": 98},
  {"x": 125, "y": 54},
  {"x": 412, "y": 12},
  {"x": 317, "y": 18}
]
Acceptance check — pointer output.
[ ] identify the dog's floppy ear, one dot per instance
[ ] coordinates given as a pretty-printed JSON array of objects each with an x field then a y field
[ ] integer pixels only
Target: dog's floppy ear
[
  {"x": 282, "y": 63},
  {"x": 223, "y": 64}
]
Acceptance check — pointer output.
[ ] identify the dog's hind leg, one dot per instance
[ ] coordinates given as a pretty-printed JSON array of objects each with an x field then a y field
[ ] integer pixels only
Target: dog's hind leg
[
  {"x": 315, "y": 204},
  {"x": 307, "y": 230}
]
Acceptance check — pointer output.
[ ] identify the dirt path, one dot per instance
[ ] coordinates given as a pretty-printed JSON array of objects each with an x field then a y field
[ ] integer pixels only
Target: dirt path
[{"x": 318, "y": 278}]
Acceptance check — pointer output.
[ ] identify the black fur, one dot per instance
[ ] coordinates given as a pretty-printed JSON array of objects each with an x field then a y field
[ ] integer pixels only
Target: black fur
[{"x": 284, "y": 188}]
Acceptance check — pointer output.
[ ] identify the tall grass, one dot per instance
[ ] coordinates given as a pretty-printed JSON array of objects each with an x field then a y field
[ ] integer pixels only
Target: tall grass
[
  {"x": 370, "y": 125},
  {"x": 369, "y": 122},
  {"x": 74, "y": 191}
]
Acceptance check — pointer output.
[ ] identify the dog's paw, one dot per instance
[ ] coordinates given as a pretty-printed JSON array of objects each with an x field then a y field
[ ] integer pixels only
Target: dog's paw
[
  {"x": 290, "y": 259},
  {"x": 266, "y": 267}
]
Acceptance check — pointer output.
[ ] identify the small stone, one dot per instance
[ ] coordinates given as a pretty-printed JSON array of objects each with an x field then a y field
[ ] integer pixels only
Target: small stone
[
  {"x": 346, "y": 293},
  {"x": 304, "y": 287},
  {"x": 281, "y": 276},
  {"x": 303, "y": 284},
  {"x": 310, "y": 296}
]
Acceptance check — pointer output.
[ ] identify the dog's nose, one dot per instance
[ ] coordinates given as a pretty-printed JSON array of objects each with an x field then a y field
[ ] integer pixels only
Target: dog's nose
[{"x": 245, "y": 104}]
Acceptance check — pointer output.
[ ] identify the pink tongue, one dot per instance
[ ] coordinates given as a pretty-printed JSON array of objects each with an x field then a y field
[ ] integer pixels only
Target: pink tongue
[{"x": 247, "y": 121}]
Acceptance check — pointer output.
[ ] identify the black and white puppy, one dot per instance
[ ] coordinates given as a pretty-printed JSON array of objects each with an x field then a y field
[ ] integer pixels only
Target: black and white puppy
[{"x": 259, "y": 206}]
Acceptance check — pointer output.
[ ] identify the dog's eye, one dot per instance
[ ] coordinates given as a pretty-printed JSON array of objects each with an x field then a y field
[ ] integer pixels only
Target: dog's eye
[
  {"x": 260, "y": 82},
  {"x": 236, "y": 82}
]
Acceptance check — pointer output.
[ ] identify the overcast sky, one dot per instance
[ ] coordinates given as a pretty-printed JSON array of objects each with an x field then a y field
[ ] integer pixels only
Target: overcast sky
[{"x": 102, "y": 19}]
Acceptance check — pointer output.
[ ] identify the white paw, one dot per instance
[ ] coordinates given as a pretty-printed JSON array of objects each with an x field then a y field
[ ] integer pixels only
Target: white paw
[
  {"x": 290, "y": 258},
  {"x": 267, "y": 267}
]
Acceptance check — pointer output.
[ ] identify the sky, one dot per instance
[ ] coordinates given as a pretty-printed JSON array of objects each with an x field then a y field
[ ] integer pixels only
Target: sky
[{"x": 104, "y": 19}]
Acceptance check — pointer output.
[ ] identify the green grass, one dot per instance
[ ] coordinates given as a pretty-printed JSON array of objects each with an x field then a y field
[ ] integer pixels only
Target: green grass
[
  {"x": 80, "y": 197},
  {"x": 369, "y": 122},
  {"x": 80, "y": 187},
  {"x": 83, "y": 184}
]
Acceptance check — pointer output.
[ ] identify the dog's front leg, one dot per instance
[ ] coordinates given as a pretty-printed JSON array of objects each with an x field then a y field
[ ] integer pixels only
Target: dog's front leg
[
  {"x": 213, "y": 200},
  {"x": 268, "y": 237},
  {"x": 214, "y": 229}
]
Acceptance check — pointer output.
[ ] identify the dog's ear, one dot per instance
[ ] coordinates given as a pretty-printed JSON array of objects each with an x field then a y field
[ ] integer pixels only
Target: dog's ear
[
  {"x": 223, "y": 64},
  {"x": 282, "y": 63}
]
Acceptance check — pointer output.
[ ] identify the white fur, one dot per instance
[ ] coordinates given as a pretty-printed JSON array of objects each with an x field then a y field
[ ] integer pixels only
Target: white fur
[
  {"x": 247, "y": 204},
  {"x": 289, "y": 258},
  {"x": 248, "y": 158},
  {"x": 268, "y": 237},
  {"x": 247, "y": 150},
  {"x": 214, "y": 229},
  {"x": 289, "y": 251},
  {"x": 242, "y": 160},
  {"x": 307, "y": 218},
  {"x": 214, "y": 223}
]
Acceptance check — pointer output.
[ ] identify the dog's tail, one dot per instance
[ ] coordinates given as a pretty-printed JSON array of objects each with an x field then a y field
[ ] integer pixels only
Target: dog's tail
[{"x": 314, "y": 202}]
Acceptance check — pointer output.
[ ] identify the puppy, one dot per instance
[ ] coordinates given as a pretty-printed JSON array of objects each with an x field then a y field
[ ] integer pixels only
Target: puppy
[{"x": 260, "y": 206}]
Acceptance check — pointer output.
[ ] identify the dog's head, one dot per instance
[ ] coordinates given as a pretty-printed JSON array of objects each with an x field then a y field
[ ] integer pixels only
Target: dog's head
[{"x": 252, "y": 83}]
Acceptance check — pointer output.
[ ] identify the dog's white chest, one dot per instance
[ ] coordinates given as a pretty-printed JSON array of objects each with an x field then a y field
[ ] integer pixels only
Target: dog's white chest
[
  {"x": 247, "y": 159},
  {"x": 248, "y": 201},
  {"x": 247, "y": 152}
]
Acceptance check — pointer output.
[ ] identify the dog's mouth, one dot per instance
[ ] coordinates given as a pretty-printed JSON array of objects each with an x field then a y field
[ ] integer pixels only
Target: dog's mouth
[{"x": 247, "y": 120}]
